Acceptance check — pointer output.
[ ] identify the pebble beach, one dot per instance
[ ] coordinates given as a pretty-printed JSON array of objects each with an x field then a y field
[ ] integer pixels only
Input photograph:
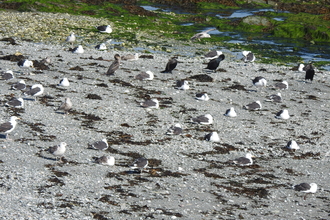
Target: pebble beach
[{"x": 188, "y": 177}]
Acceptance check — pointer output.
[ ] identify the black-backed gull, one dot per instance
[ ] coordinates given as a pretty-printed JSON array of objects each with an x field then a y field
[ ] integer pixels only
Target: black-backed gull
[
  {"x": 259, "y": 82},
  {"x": 230, "y": 112},
  {"x": 150, "y": 103},
  {"x": 148, "y": 75},
  {"x": 292, "y": 145},
  {"x": 35, "y": 90},
  {"x": 20, "y": 85},
  {"x": 275, "y": 98},
  {"x": 283, "y": 114},
  {"x": 248, "y": 56},
  {"x": 203, "y": 119},
  {"x": 99, "y": 145},
  {"x": 213, "y": 137},
  {"x": 101, "y": 46},
  {"x": 9, "y": 126},
  {"x": 58, "y": 150},
  {"x": 281, "y": 85},
  {"x": 104, "y": 29},
  {"x": 71, "y": 38},
  {"x": 106, "y": 160},
  {"x": 15, "y": 102},
  {"x": 306, "y": 187},
  {"x": 202, "y": 96},
  {"x": 182, "y": 84},
  {"x": 130, "y": 57},
  {"x": 253, "y": 106},
  {"x": 78, "y": 49},
  {"x": 243, "y": 161},
  {"x": 64, "y": 82},
  {"x": 7, "y": 75},
  {"x": 174, "y": 129},
  {"x": 212, "y": 54},
  {"x": 139, "y": 164}
]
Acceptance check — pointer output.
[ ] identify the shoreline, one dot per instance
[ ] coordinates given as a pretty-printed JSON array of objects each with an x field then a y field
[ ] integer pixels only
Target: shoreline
[{"x": 188, "y": 177}]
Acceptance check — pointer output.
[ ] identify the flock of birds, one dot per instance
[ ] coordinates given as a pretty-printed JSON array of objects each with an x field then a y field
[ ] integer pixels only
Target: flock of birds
[{"x": 214, "y": 57}]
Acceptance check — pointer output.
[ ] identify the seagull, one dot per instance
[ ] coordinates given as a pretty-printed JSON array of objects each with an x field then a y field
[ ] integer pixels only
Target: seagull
[
  {"x": 9, "y": 126},
  {"x": 114, "y": 66},
  {"x": 99, "y": 145},
  {"x": 58, "y": 150},
  {"x": 106, "y": 160},
  {"x": 20, "y": 85},
  {"x": 7, "y": 75},
  {"x": 283, "y": 114},
  {"x": 64, "y": 82},
  {"x": 139, "y": 164},
  {"x": 182, "y": 84},
  {"x": 214, "y": 63},
  {"x": 203, "y": 34},
  {"x": 25, "y": 64},
  {"x": 230, "y": 112},
  {"x": 66, "y": 106},
  {"x": 259, "y": 81},
  {"x": 213, "y": 137},
  {"x": 306, "y": 187},
  {"x": 78, "y": 49},
  {"x": 301, "y": 67},
  {"x": 71, "y": 38},
  {"x": 202, "y": 97},
  {"x": 212, "y": 54},
  {"x": 248, "y": 56},
  {"x": 275, "y": 98},
  {"x": 203, "y": 119},
  {"x": 15, "y": 102},
  {"x": 104, "y": 29},
  {"x": 130, "y": 57},
  {"x": 101, "y": 46},
  {"x": 282, "y": 85},
  {"x": 243, "y": 161},
  {"x": 292, "y": 145},
  {"x": 171, "y": 64},
  {"x": 35, "y": 90},
  {"x": 148, "y": 75},
  {"x": 174, "y": 129},
  {"x": 150, "y": 103},
  {"x": 253, "y": 106}
]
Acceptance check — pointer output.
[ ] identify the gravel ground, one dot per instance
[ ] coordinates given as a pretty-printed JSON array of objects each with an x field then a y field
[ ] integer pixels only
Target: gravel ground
[{"x": 188, "y": 177}]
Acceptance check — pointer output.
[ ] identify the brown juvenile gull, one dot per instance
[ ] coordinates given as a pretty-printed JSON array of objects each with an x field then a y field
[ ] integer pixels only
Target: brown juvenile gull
[
  {"x": 203, "y": 119},
  {"x": 139, "y": 164},
  {"x": 114, "y": 66},
  {"x": 66, "y": 106},
  {"x": 171, "y": 64},
  {"x": 243, "y": 161},
  {"x": 106, "y": 160},
  {"x": 148, "y": 75},
  {"x": 174, "y": 129},
  {"x": 253, "y": 106},
  {"x": 9, "y": 126},
  {"x": 99, "y": 145},
  {"x": 203, "y": 34},
  {"x": 130, "y": 57},
  {"x": 150, "y": 103},
  {"x": 15, "y": 102},
  {"x": 58, "y": 150},
  {"x": 35, "y": 90}
]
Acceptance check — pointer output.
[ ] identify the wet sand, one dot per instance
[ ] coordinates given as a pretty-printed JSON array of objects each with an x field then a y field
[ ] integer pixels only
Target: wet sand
[{"x": 188, "y": 177}]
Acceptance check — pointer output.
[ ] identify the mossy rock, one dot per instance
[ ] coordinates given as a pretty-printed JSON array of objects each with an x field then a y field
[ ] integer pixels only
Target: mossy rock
[{"x": 256, "y": 20}]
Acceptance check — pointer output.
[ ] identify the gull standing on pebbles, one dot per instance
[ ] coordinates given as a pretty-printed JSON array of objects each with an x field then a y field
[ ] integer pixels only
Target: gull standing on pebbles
[
  {"x": 15, "y": 102},
  {"x": 106, "y": 160},
  {"x": 203, "y": 34},
  {"x": 71, "y": 38},
  {"x": 148, "y": 75},
  {"x": 212, "y": 54},
  {"x": 114, "y": 66},
  {"x": 35, "y": 90},
  {"x": 248, "y": 57},
  {"x": 306, "y": 187},
  {"x": 7, "y": 75},
  {"x": 9, "y": 126},
  {"x": 275, "y": 98},
  {"x": 58, "y": 150},
  {"x": 64, "y": 82},
  {"x": 230, "y": 112},
  {"x": 66, "y": 106}
]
